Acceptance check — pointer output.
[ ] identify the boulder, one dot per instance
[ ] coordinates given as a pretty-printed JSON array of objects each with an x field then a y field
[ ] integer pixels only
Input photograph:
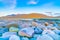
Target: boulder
[
  {"x": 25, "y": 25},
  {"x": 24, "y": 38},
  {"x": 57, "y": 31},
  {"x": 3, "y": 30},
  {"x": 38, "y": 30},
  {"x": 32, "y": 38},
  {"x": 35, "y": 36},
  {"x": 14, "y": 37},
  {"x": 55, "y": 36},
  {"x": 26, "y": 32},
  {"x": 53, "y": 28},
  {"x": 12, "y": 25},
  {"x": 13, "y": 29},
  {"x": 8, "y": 34},
  {"x": 47, "y": 31},
  {"x": 44, "y": 37}
]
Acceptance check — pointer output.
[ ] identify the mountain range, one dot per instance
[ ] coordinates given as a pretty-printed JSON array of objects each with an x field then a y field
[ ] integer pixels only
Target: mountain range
[{"x": 25, "y": 16}]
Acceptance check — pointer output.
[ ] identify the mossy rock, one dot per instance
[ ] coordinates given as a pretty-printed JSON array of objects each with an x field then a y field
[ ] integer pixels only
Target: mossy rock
[{"x": 13, "y": 29}]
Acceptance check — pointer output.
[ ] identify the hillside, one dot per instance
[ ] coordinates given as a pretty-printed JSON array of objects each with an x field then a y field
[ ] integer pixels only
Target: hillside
[{"x": 32, "y": 15}]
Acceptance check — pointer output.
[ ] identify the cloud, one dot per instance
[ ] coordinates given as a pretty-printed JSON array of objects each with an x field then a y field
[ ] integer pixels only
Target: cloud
[
  {"x": 49, "y": 7},
  {"x": 9, "y": 4},
  {"x": 33, "y": 2}
]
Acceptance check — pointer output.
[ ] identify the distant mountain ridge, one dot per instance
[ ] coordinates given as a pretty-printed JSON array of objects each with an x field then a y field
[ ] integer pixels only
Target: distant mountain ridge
[
  {"x": 12, "y": 15},
  {"x": 32, "y": 15}
]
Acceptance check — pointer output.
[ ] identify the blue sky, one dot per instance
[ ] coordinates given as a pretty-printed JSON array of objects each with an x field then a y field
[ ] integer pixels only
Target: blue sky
[{"x": 28, "y": 6}]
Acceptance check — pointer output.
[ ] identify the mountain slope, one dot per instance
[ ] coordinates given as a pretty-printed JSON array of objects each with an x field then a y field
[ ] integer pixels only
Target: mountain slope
[{"x": 32, "y": 15}]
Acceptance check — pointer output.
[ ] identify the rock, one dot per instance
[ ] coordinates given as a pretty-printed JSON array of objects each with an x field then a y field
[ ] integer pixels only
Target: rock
[
  {"x": 32, "y": 38},
  {"x": 58, "y": 27},
  {"x": 57, "y": 31},
  {"x": 38, "y": 30},
  {"x": 48, "y": 31},
  {"x": 34, "y": 23},
  {"x": 55, "y": 36},
  {"x": 44, "y": 37},
  {"x": 41, "y": 26},
  {"x": 3, "y": 30},
  {"x": 3, "y": 24},
  {"x": 8, "y": 34},
  {"x": 13, "y": 29},
  {"x": 24, "y": 38},
  {"x": 14, "y": 37},
  {"x": 55, "y": 25},
  {"x": 53, "y": 28},
  {"x": 12, "y": 24},
  {"x": 36, "y": 35},
  {"x": 25, "y": 25},
  {"x": 26, "y": 32},
  {"x": 46, "y": 23}
]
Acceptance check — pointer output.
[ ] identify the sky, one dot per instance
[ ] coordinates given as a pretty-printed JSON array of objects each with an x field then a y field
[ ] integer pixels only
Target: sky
[{"x": 48, "y": 7}]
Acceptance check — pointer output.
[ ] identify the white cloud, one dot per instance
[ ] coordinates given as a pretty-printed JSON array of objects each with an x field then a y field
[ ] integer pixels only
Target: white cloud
[
  {"x": 9, "y": 4},
  {"x": 49, "y": 7},
  {"x": 33, "y": 2}
]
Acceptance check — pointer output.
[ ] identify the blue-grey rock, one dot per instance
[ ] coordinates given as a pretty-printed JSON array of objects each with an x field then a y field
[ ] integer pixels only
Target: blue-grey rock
[
  {"x": 57, "y": 31},
  {"x": 8, "y": 34},
  {"x": 3, "y": 30},
  {"x": 55, "y": 25},
  {"x": 24, "y": 38},
  {"x": 26, "y": 32},
  {"x": 46, "y": 31},
  {"x": 55, "y": 36},
  {"x": 32, "y": 38},
  {"x": 14, "y": 37},
  {"x": 38, "y": 30},
  {"x": 44, "y": 37}
]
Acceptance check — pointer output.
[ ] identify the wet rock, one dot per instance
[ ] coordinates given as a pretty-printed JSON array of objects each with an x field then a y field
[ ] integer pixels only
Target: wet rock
[
  {"x": 44, "y": 37},
  {"x": 55, "y": 36},
  {"x": 38, "y": 30},
  {"x": 36, "y": 35},
  {"x": 13, "y": 29},
  {"x": 48, "y": 31},
  {"x": 3, "y": 30},
  {"x": 26, "y": 32},
  {"x": 14, "y": 37},
  {"x": 57, "y": 31},
  {"x": 24, "y": 38},
  {"x": 32, "y": 38},
  {"x": 53, "y": 28},
  {"x": 8, "y": 34},
  {"x": 12, "y": 25}
]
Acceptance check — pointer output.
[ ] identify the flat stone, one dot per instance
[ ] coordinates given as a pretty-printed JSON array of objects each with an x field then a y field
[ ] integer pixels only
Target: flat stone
[
  {"x": 8, "y": 34},
  {"x": 26, "y": 32},
  {"x": 14, "y": 37},
  {"x": 44, "y": 37}
]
